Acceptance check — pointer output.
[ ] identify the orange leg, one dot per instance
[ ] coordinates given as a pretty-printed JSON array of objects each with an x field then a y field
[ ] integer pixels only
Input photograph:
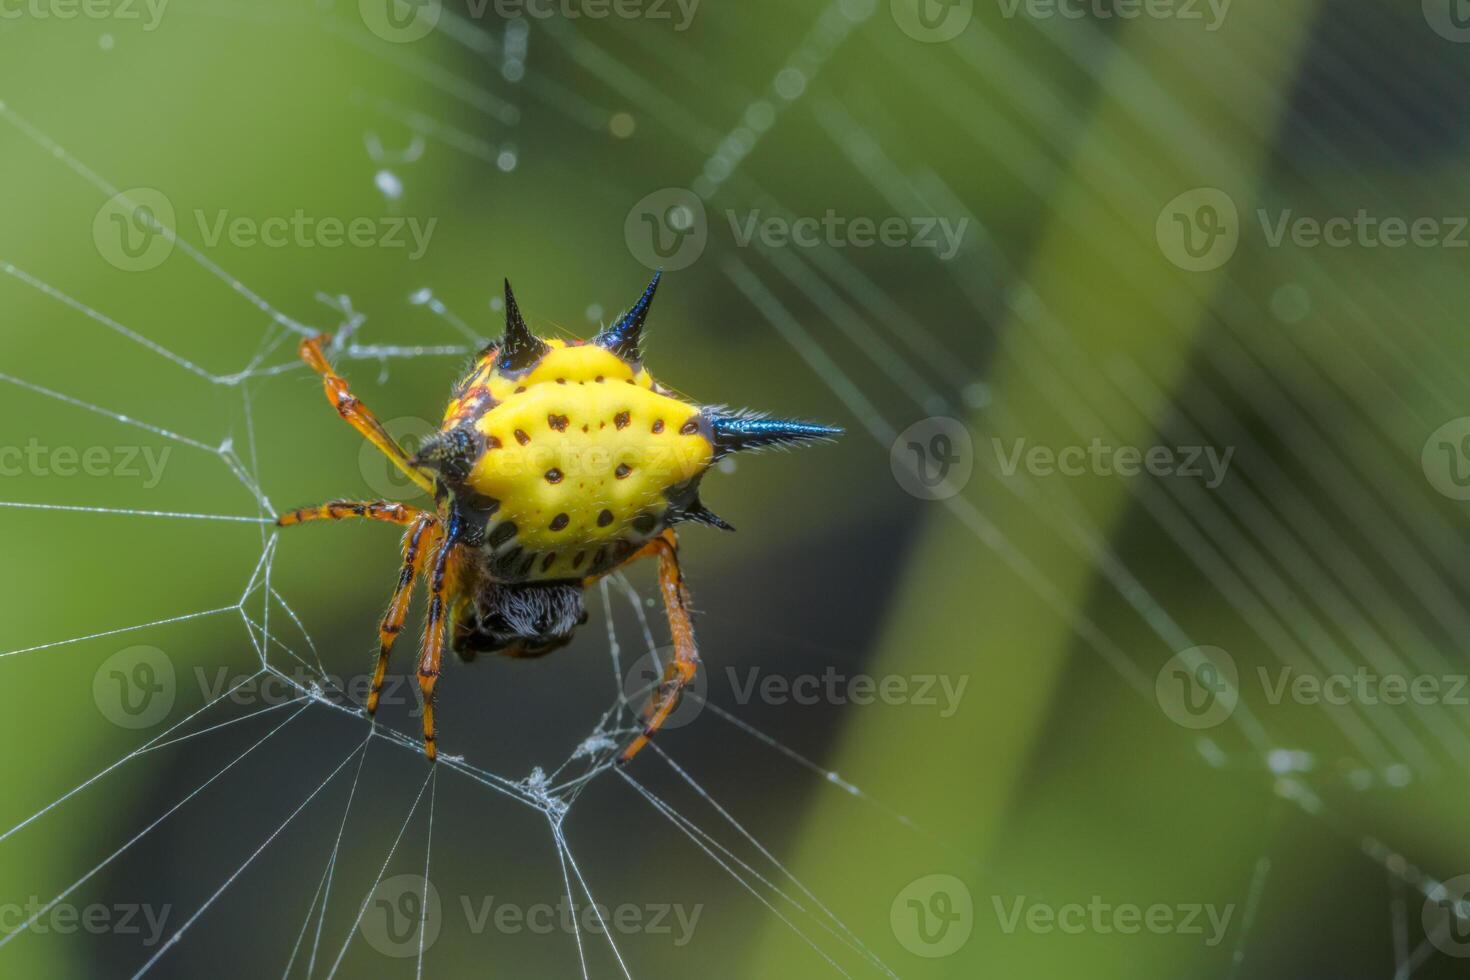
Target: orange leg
[
  {"x": 357, "y": 414},
  {"x": 680, "y": 670},
  {"x": 433, "y": 649},
  {"x": 415, "y": 542},
  {"x": 340, "y": 510}
]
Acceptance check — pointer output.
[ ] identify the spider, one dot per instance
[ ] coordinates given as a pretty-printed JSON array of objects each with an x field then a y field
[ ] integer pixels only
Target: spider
[{"x": 557, "y": 463}]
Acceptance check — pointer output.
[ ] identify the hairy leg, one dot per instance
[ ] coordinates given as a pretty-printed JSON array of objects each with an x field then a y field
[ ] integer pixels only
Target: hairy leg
[
  {"x": 432, "y": 654},
  {"x": 420, "y": 538},
  {"x": 682, "y": 668},
  {"x": 357, "y": 414},
  {"x": 387, "y": 511}
]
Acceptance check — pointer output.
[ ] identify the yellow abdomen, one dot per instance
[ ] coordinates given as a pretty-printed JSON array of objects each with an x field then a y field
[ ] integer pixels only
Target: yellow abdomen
[{"x": 580, "y": 458}]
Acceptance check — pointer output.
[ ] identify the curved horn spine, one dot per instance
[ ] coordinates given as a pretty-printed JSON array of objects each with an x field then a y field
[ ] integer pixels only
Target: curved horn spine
[
  {"x": 520, "y": 348},
  {"x": 624, "y": 337}
]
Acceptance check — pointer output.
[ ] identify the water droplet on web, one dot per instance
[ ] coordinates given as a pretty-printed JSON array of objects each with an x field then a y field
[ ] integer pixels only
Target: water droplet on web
[
  {"x": 760, "y": 115},
  {"x": 1291, "y": 303},
  {"x": 622, "y": 125},
  {"x": 388, "y": 184},
  {"x": 717, "y": 168},
  {"x": 1211, "y": 752},
  {"x": 790, "y": 83},
  {"x": 1283, "y": 761}
]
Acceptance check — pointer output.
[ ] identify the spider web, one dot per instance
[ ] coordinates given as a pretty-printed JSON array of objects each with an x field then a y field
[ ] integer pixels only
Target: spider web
[
  {"x": 1239, "y": 542},
  {"x": 281, "y": 641},
  {"x": 279, "y": 638}
]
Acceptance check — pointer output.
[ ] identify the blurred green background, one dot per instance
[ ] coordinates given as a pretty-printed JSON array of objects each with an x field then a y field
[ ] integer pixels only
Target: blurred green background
[{"x": 1128, "y": 183}]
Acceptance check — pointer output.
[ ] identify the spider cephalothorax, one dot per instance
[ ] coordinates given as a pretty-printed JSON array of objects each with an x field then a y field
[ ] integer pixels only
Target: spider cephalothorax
[{"x": 557, "y": 462}]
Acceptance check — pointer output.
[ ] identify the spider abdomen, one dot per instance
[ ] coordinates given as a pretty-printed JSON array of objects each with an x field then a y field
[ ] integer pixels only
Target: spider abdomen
[{"x": 579, "y": 465}]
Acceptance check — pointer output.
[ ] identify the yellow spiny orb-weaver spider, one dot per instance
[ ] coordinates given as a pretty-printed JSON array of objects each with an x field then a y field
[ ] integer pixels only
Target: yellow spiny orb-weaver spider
[{"x": 557, "y": 463}]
